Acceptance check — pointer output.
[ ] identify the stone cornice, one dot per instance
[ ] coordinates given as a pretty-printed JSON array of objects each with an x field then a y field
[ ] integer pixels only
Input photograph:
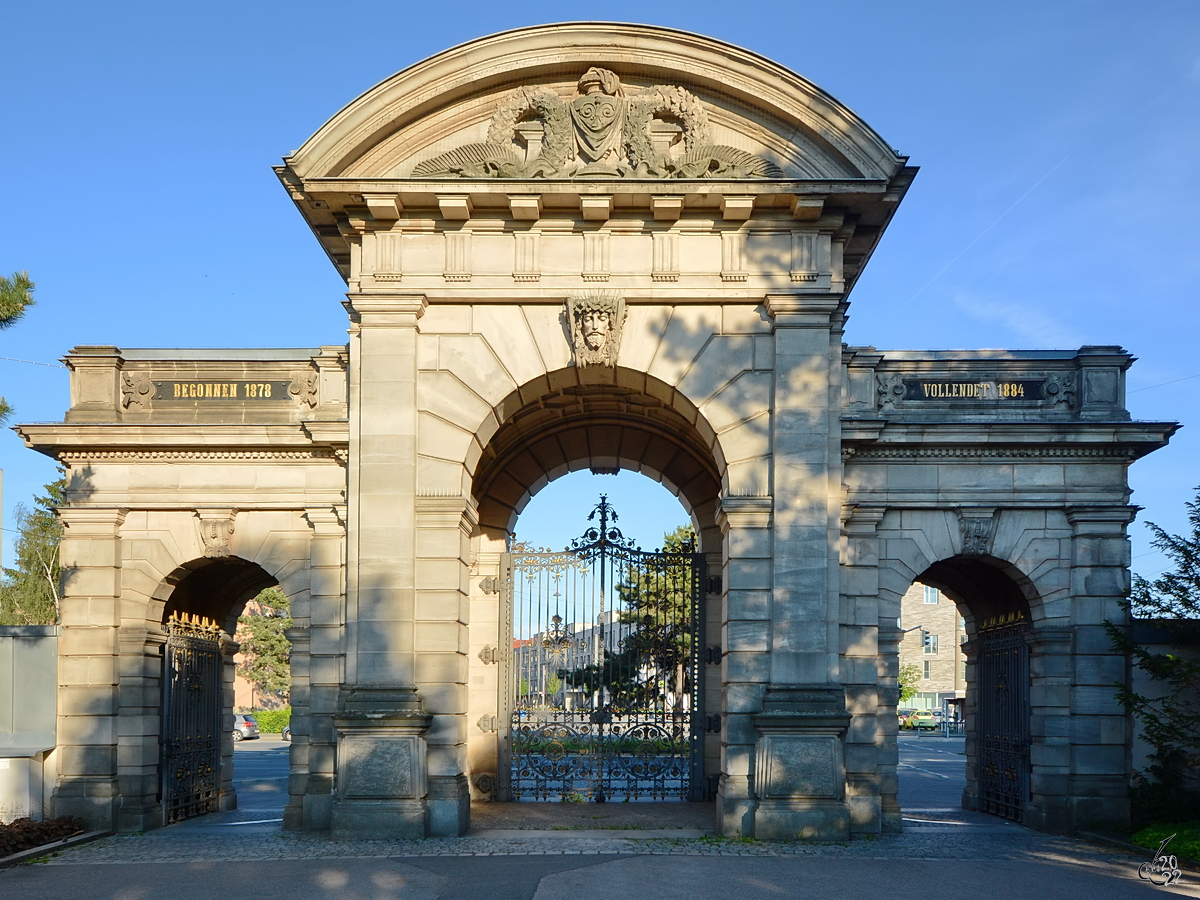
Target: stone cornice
[
  {"x": 117, "y": 456},
  {"x": 1004, "y": 440},
  {"x": 1060, "y": 452},
  {"x": 120, "y": 442}
]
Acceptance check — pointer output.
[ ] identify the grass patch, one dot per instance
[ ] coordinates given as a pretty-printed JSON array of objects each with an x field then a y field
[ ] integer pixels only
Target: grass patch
[{"x": 1186, "y": 844}]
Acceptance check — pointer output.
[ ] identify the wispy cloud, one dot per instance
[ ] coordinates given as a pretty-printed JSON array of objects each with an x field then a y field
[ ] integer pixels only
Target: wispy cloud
[{"x": 1031, "y": 325}]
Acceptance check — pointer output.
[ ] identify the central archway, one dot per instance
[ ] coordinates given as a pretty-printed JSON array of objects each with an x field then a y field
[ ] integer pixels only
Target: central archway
[{"x": 603, "y": 422}]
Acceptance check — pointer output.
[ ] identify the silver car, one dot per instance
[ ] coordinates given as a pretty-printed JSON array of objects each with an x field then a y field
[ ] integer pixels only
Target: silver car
[{"x": 244, "y": 726}]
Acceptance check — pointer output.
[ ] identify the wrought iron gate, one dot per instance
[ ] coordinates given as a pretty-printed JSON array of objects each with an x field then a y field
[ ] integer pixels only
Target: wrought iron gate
[
  {"x": 191, "y": 718},
  {"x": 1003, "y": 723},
  {"x": 601, "y": 693}
]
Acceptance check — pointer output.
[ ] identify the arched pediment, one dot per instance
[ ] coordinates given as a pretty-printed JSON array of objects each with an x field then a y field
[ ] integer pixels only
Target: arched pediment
[{"x": 495, "y": 106}]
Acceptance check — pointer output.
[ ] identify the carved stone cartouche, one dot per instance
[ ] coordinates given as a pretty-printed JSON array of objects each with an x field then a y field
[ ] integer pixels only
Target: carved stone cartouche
[{"x": 603, "y": 132}]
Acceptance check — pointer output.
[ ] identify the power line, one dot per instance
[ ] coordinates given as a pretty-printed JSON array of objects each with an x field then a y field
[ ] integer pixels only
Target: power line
[
  {"x": 1163, "y": 384},
  {"x": 981, "y": 234},
  {"x": 31, "y": 362}
]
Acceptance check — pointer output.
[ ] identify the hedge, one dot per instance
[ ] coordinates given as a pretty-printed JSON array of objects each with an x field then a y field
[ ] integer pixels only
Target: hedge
[
  {"x": 1185, "y": 845},
  {"x": 271, "y": 721}
]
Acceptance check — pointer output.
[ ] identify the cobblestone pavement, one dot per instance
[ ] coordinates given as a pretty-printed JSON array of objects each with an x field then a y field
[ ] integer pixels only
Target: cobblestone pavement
[
  {"x": 660, "y": 851},
  {"x": 923, "y": 842}
]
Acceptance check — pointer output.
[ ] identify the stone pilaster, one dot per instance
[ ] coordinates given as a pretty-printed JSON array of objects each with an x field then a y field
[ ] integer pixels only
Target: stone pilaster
[
  {"x": 800, "y": 776},
  {"x": 89, "y": 673},
  {"x": 444, "y": 527},
  {"x": 318, "y": 637},
  {"x": 381, "y": 782},
  {"x": 1099, "y": 766},
  {"x": 745, "y": 524},
  {"x": 381, "y": 528},
  {"x": 806, "y": 487},
  {"x": 869, "y": 675}
]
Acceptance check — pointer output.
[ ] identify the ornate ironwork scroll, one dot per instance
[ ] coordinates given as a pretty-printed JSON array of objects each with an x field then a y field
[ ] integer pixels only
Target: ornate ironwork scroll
[
  {"x": 1003, "y": 692},
  {"x": 191, "y": 719},
  {"x": 601, "y": 693}
]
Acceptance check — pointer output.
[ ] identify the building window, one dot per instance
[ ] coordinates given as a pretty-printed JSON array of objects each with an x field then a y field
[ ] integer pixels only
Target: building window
[
  {"x": 926, "y": 675},
  {"x": 930, "y": 644},
  {"x": 964, "y": 674},
  {"x": 931, "y": 594}
]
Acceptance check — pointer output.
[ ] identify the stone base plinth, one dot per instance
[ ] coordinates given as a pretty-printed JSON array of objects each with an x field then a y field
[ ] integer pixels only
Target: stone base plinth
[
  {"x": 403, "y": 819},
  {"x": 449, "y": 803},
  {"x": 800, "y": 778},
  {"x": 381, "y": 785},
  {"x": 735, "y": 807},
  {"x": 801, "y": 820}
]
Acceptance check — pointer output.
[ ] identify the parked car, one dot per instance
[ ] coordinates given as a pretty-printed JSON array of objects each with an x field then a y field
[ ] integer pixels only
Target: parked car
[
  {"x": 244, "y": 726},
  {"x": 904, "y": 714},
  {"x": 286, "y": 734},
  {"x": 921, "y": 718}
]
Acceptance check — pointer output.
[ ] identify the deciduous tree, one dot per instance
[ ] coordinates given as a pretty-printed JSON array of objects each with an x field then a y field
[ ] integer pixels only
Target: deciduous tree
[
  {"x": 29, "y": 594},
  {"x": 266, "y": 651}
]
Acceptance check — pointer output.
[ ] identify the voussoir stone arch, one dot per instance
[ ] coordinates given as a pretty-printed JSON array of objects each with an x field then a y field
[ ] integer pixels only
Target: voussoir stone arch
[
  {"x": 599, "y": 423},
  {"x": 704, "y": 367},
  {"x": 167, "y": 548},
  {"x": 1026, "y": 547}
]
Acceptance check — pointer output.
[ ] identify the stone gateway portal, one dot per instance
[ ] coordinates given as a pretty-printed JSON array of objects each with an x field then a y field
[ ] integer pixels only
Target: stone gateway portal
[{"x": 596, "y": 247}]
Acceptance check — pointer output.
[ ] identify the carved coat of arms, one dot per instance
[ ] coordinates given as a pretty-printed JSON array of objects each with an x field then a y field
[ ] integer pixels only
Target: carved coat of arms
[{"x": 603, "y": 132}]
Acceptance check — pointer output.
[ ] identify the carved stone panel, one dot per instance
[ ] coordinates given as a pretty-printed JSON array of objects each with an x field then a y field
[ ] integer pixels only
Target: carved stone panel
[
  {"x": 380, "y": 767},
  {"x": 795, "y": 766}
]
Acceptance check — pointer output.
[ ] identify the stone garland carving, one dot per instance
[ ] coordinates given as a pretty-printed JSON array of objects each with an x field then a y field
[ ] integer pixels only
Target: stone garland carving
[
  {"x": 601, "y": 133},
  {"x": 891, "y": 389},
  {"x": 136, "y": 390},
  {"x": 304, "y": 389},
  {"x": 595, "y": 321},
  {"x": 1060, "y": 389}
]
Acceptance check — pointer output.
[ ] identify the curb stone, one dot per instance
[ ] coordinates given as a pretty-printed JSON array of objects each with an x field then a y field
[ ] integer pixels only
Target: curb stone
[{"x": 34, "y": 852}]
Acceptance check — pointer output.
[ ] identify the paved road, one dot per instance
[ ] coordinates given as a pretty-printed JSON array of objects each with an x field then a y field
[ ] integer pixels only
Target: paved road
[{"x": 944, "y": 853}]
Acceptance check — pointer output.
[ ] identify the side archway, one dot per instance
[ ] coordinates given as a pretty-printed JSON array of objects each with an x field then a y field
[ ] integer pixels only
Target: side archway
[
  {"x": 199, "y": 621},
  {"x": 994, "y": 599}
]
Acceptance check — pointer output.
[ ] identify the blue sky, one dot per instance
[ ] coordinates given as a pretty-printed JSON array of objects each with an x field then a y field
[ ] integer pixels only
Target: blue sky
[{"x": 1057, "y": 203}]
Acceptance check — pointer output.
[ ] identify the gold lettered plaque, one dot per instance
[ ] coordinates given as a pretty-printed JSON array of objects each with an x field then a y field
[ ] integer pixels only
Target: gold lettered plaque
[{"x": 192, "y": 393}]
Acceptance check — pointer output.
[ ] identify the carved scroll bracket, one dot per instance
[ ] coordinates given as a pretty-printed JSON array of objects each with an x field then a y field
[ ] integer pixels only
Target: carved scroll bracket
[
  {"x": 216, "y": 530},
  {"x": 977, "y": 527}
]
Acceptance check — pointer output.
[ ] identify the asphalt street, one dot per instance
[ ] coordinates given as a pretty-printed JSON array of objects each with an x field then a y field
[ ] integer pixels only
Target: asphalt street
[{"x": 945, "y": 852}]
